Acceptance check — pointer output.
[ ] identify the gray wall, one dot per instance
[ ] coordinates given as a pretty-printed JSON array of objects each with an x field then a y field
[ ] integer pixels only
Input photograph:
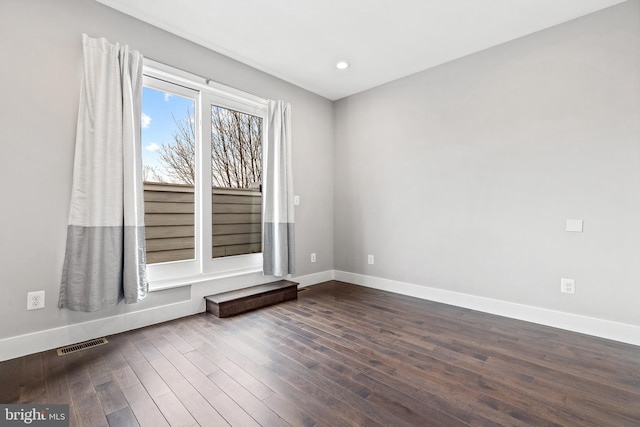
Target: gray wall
[
  {"x": 40, "y": 43},
  {"x": 461, "y": 177}
]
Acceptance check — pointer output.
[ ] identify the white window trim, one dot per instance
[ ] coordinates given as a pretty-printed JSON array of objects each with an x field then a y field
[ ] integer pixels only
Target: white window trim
[{"x": 204, "y": 267}]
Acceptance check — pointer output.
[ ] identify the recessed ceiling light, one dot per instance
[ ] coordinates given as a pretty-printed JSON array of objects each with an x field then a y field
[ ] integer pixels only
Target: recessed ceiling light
[{"x": 342, "y": 65}]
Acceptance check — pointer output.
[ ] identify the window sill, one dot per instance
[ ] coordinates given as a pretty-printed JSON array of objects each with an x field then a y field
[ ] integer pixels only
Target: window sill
[{"x": 161, "y": 285}]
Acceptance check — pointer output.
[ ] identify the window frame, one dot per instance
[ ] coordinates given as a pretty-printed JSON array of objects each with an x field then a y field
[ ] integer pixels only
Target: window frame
[{"x": 204, "y": 267}]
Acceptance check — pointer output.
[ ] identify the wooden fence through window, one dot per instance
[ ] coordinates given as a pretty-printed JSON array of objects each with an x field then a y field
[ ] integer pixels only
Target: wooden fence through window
[{"x": 170, "y": 218}]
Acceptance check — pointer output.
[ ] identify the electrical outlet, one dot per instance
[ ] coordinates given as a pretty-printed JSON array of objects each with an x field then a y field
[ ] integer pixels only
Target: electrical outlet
[
  {"x": 370, "y": 259},
  {"x": 567, "y": 286},
  {"x": 313, "y": 257},
  {"x": 35, "y": 300}
]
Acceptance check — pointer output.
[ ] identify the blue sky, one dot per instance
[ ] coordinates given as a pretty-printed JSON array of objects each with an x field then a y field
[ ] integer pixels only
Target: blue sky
[{"x": 157, "y": 123}]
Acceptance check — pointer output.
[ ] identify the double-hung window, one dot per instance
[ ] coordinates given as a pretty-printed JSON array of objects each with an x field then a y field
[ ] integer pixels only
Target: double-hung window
[{"x": 202, "y": 171}]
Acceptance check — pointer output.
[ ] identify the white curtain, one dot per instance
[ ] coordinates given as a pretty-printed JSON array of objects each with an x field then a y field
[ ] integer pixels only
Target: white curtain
[
  {"x": 278, "y": 218},
  {"x": 105, "y": 255}
]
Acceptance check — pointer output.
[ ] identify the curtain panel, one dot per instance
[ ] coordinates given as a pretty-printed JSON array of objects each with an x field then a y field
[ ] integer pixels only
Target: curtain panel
[
  {"x": 105, "y": 253},
  {"x": 278, "y": 222}
]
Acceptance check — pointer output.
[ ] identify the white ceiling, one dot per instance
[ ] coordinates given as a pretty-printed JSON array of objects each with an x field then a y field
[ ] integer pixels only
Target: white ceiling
[{"x": 300, "y": 41}]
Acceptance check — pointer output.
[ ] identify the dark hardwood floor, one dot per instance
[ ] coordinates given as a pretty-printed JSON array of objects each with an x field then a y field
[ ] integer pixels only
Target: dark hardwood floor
[{"x": 341, "y": 355}]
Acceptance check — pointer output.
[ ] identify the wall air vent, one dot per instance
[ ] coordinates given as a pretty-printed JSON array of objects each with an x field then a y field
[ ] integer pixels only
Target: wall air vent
[{"x": 81, "y": 346}]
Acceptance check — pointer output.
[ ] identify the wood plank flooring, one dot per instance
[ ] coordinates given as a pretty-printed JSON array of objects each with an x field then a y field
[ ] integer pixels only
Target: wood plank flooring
[{"x": 339, "y": 355}]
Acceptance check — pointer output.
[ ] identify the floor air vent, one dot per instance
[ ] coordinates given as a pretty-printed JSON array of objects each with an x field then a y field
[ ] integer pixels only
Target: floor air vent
[{"x": 81, "y": 346}]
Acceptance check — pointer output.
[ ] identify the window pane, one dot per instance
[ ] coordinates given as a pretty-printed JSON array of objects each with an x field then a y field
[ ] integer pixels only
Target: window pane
[
  {"x": 168, "y": 163},
  {"x": 236, "y": 174}
]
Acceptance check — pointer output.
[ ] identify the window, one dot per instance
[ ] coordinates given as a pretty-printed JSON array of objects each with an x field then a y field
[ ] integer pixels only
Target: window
[
  {"x": 236, "y": 174},
  {"x": 202, "y": 171},
  {"x": 168, "y": 169}
]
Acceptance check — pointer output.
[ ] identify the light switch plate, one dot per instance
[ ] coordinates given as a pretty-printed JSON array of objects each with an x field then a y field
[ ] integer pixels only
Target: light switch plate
[{"x": 574, "y": 225}]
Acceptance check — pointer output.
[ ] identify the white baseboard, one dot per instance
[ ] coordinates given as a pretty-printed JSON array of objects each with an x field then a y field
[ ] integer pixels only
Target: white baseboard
[
  {"x": 314, "y": 279},
  {"x": 36, "y": 342},
  {"x": 572, "y": 322}
]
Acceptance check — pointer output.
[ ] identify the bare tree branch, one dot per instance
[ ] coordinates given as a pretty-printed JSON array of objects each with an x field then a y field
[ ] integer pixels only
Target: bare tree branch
[
  {"x": 178, "y": 158},
  {"x": 236, "y": 151},
  {"x": 151, "y": 174}
]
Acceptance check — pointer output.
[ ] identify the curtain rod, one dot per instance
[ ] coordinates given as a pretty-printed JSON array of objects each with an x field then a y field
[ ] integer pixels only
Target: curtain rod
[{"x": 207, "y": 80}]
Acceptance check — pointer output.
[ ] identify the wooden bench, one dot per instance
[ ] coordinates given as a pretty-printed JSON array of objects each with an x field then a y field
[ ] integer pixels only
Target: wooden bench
[{"x": 234, "y": 302}]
